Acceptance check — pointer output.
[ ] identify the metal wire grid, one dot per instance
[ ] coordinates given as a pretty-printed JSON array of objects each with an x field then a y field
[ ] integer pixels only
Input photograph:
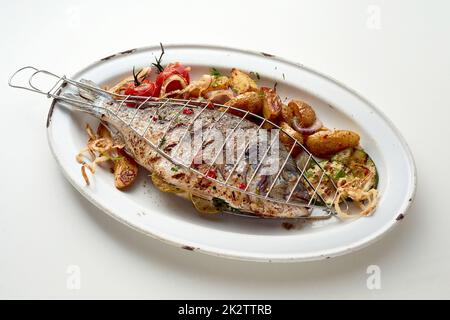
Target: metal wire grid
[{"x": 159, "y": 103}]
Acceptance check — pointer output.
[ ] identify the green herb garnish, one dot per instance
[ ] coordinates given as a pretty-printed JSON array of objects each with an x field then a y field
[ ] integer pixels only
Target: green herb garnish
[
  {"x": 222, "y": 205},
  {"x": 158, "y": 61},
  {"x": 215, "y": 73},
  {"x": 339, "y": 175},
  {"x": 255, "y": 75},
  {"x": 135, "y": 77},
  {"x": 174, "y": 169},
  {"x": 116, "y": 158}
]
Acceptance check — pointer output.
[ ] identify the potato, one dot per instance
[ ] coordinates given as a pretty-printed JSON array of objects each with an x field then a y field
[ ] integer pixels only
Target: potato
[
  {"x": 288, "y": 141},
  {"x": 196, "y": 88},
  {"x": 287, "y": 113},
  {"x": 300, "y": 109},
  {"x": 249, "y": 101},
  {"x": 272, "y": 104},
  {"x": 326, "y": 143},
  {"x": 219, "y": 83},
  {"x": 240, "y": 82},
  {"x": 125, "y": 170}
]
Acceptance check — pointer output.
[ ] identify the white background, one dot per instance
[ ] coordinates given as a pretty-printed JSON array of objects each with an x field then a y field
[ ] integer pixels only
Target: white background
[{"x": 402, "y": 65}]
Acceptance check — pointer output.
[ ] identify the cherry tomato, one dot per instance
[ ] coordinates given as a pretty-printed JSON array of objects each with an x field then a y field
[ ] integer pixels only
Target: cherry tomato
[
  {"x": 170, "y": 70},
  {"x": 242, "y": 186},
  {"x": 144, "y": 89},
  {"x": 212, "y": 174},
  {"x": 188, "y": 111}
]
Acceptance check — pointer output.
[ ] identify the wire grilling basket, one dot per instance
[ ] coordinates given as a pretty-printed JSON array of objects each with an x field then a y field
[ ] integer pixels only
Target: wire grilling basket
[{"x": 319, "y": 205}]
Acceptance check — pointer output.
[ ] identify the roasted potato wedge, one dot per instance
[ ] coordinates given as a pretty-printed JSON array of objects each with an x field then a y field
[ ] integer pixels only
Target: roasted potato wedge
[
  {"x": 288, "y": 141},
  {"x": 271, "y": 104},
  {"x": 197, "y": 88},
  {"x": 125, "y": 170},
  {"x": 300, "y": 109},
  {"x": 241, "y": 82},
  {"x": 249, "y": 101},
  {"x": 287, "y": 113},
  {"x": 304, "y": 112},
  {"x": 324, "y": 144},
  {"x": 219, "y": 83}
]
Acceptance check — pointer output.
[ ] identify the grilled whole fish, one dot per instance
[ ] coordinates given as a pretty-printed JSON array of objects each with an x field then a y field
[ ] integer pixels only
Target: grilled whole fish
[{"x": 133, "y": 126}]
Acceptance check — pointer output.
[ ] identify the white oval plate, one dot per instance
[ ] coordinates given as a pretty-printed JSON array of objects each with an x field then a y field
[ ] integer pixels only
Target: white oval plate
[{"x": 173, "y": 220}]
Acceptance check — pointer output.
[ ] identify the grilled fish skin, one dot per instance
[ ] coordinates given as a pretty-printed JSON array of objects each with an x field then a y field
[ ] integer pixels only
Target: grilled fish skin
[{"x": 150, "y": 123}]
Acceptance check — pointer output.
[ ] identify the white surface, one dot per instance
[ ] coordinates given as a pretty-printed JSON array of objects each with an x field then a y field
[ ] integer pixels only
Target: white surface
[{"x": 46, "y": 226}]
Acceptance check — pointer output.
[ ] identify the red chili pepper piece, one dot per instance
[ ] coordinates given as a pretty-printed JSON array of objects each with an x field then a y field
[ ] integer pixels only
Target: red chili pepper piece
[
  {"x": 242, "y": 186},
  {"x": 188, "y": 111},
  {"x": 212, "y": 174}
]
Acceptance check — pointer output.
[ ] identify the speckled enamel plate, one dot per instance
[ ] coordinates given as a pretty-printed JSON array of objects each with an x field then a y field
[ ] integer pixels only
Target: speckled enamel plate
[{"x": 173, "y": 220}]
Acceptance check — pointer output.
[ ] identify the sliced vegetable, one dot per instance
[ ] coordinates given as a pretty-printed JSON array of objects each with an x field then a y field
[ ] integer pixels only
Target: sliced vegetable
[
  {"x": 359, "y": 165},
  {"x": 178, "y": 75},
  {"x": 241, "y": 82},
  {"x": 303, "y": 112},
  {"x": 220, "y": 96},
  {"x": 222, "y": 205},
  {"x": 249, "y": 101},
  {"x": 125, "y": 170},
  {"x": 285, "y": 138},
  {"x": 324, "y": 144},
  {"x": 272, "y": 104},
  {"x": 203, "y": 205},
  {"x": 220, "y": 83},
  {"x": 163, "y": 185},
  {"x": 141, "y": 88}
]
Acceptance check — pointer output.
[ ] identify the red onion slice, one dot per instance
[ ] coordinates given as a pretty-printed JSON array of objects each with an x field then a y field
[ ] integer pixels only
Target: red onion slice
[
  {"x": 310, "y": 130},
  {"x": 220, "y": 96},
  {"x": 174, "y": 77}
]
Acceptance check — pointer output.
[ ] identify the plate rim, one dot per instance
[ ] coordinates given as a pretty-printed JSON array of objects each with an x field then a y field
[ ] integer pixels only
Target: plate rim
[{"x": 320, "y": 255}]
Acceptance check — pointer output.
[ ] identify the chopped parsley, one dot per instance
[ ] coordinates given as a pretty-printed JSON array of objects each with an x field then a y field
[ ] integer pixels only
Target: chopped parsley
[
  {"x": 222, "y": 205},
  {"x": 215, "y": 73},
  {"x": 340, "y": 174},
  {"x": 175, "y": 169}
]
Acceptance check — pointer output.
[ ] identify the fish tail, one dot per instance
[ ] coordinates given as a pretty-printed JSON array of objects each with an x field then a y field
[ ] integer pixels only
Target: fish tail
[{"x": 89, "y": 98}]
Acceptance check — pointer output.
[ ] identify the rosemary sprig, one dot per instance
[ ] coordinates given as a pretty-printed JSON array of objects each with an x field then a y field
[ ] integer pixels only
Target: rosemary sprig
[
  {"x": 254, "y": 75},
  {"x": 158, "y": 61},
  {"x": 135, "y": 77}
]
